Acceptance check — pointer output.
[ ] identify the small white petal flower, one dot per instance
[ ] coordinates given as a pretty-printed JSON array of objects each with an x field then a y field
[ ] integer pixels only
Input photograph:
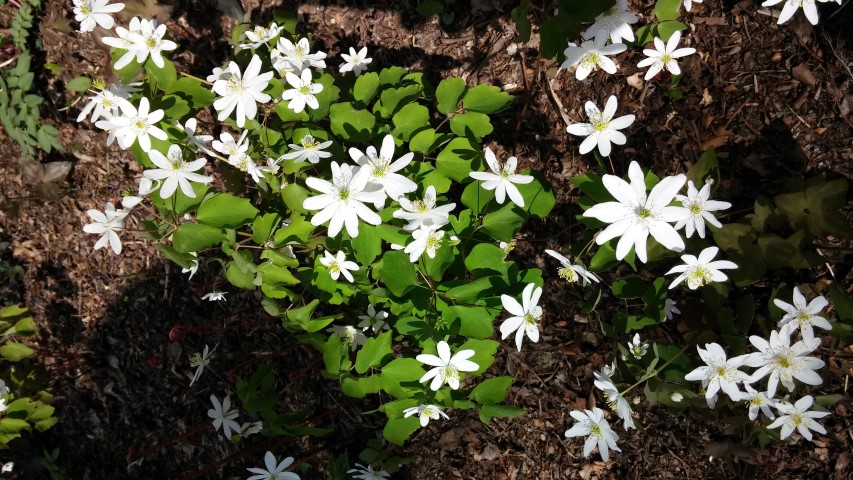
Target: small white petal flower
[
  {"x": 107, "y": 224},
  {"x": 572, "y": 272},
  {"x": 299, "y": 54},
  {"x": 308, "y": 149},
  {"x": 341, "y": 201},
  {"x": 603, "y": 129},
  {"x": 757, "y": 400},
  {"x": 592, "y": 55},
  {"x": 502, "y": 179},
  {"x": 425, "y": 239},
  {"x": 355, "y": 62},
  {"x": 349, "y": 335},
  {"x": 303, "y": 93},
  {"x": 791, "y": 7},
  {"x": 241, "y": 91},
  {"x": 526, "y": 315},
  {"x": 614, "y": 399},
  {"x": 636, "y": 348},
  {"x": 383, "y": 169},
  {"x": 92, "y": 12},
  {"x": 697, "y": 208},
  {"x": 260, "y": 35},
  {"x": 251, "y": 428},
  {"x": 223, "y": 416},
  {"x": 200, "y": 361},
  {"x": 669, "y": 309},
  {"x": 782, "y": 361},
  {"x": 105, "y": 103},
  {"x": 804, "y": 316},
  {"x": 701, "y": 271},
  {"x": 196, "y": 142},
  {"x": 146, "y": 186},
  {"x": 593, "y": 424},
  {"x": 214, "y": 296},
  {"x": 799, "y": 417},
  {"x": 664, "y": 56},
  {"x": 147, "y": 41},
  {"x": 137, "y": 124},
  {"x": 423, "y": 212},
  {"x": 719, "y": 372},
  {"x": 425, "y": 413},
  {"x": 193, "y": 268},
  {"x": 634, "y": 216},
  {"x": 676, "y": 397},
  {"x": 615, "y": 22},
  {"x": 374, "y": 320},
  {"x": 368, "y": 473},
  {"x": 338, "y": 265},
  {"x": 123, "y": 42},
  {"x": 273, "y": 470},
  {"x": 232, "y": 149},
  {"x": 446, "y": 367},
  {"x": 175, "y": 172}
]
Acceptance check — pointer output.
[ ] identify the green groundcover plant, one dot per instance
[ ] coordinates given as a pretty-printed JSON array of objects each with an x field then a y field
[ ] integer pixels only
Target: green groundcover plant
[{"x": 364, "y": 208}]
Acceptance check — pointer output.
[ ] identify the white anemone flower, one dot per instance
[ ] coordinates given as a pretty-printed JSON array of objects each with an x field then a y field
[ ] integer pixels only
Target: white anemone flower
[
  {"x": 592, "y": 55},
  {"x": 719, "y": 372},
  {"x": 92, "y": 12},
  {"x": 106, "y": 102},
  {"x": 232, "y": 149},
  {"x": 376, "y": 320},
  {"x": 362, "y": 472},
  {"x": 241, "y": 91},
  {"x": 260, "y": 35},
  {"x": 274, "y": 470},
  {"x": 355, "y": 62},
  {"x": 783, "y": 362},
  {"x": 570, "y": 272},
  {"x": 502, "y": 178},
  {"x": 602, "y": 129},
  {"x": 425, "y": 239},
  {"x": 637, "y": 348},
  {"x": 107, "y": 224},
  {"x": 338, "y": 265},
  {"x": 146, "y": 186},
  {"x": 122, "y": 41},
  {"x": 615, "y": 22},
  {"x": 425, "y": 413},
  {"x": 697, "y": 209},
  {"x": 791, "y": 7},
  {"x": 614, "y": 399},
  {"x": 701, "y": 271},
  {"x": 669, "y": 309},
  {"x": 383, "y": 169},
  {"x": 634, "y": 216},
  {"x": 193, "y": 268},
  {"x": 349, "y": 335},
  {"x": 423, "y": 212},
  {"x": 299, "y": 54},
  {"x": 304, "y": 91},
  {"x": 802, "y": 315},
  {"x": 223, "y": 416},
  {"x": 756, "y": 401},
  {"x": 446, "y": 368},
  {"x": 308, "y": 149},
  {"x": 200, "y": 361},
  {"x": 137, "y": 124},
  {"x": 593, "y": 424},
  {"x": 196, "y": 142},
  {"x": 526, "y": 315},
  {"x": 340, "y": 201},
  {"x": 175, "y": 172},
  {"x": 215, "y": 296},
  {"x": 148, "y": 41},
  {"x": 799, "y": 417},
  {"x": 664, "y": 56}
]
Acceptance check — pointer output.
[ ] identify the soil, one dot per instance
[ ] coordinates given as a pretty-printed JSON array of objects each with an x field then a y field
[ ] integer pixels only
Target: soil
[{"x": 115, "y": 332}]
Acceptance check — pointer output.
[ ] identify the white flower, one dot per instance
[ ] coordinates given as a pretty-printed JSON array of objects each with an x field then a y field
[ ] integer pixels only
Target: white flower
[
  {"x": 383, "y": 168},
  {"x": 526, "y": 315},
  {"x": 348, "y": 334},
  {"x": 374, "y": 320},
  {"x": 676, "y": 397},
  {"x": 636, "y": 348},
  {"x": 592, "y": 55},
  {"x": 309, "y": 149},
  {"x": 502, "y": 179},
  {"x": 614, "y": 399},
  {"x": 107, "y": 224},
  {"x": 106, "y": 103},
  {"x": 791, "y": 7},
  {"x": 232, "y": 149},
  {"x": 426, "y": 239},
  {"x": 200, "y": 361},
  {"x": 242, "y": 91},
  {"x": 688, "y": 4},
  {"x": 425, "y": 413},
  {"x": 757, "y": 400},
  {"x": 669, "y": 309},
  {"x": 803, "y": 316},
  {"x": 251, "y": 428},
  {"x": 193, "y": 267},
  {"x": 274, "y": 470},
  {"x": 783, "y": 361},
  {"x": 507, "y": 247},
  {"x": 144, "y": 39},
  {"x": 174, "y": 172},
  {"x": 299, "y": 54},
  {"x": 664, "y": 56},
  {"x": 281, "y": 64},
  {"x": 91, "y": 12},
  {"x": 214, "y": 296},
  {"x": 701, "y": 271},
  {"x": 196, "y": 142},
  {"x": 593, "y": 423},
  {"x": 219, "y": 74},
  {"x": 137, "y": 124},
  {"x": 340, "y": 202},
  {"x": 368, "y": 473},
  {"x": 722, "y": 374},
  {"x": 122, "y": 41},
  {"x": 338, "y": 264},
  {"x": 260, "y": 35},
  {"x": 146, "y": 186},
  {"x": 223, "y": 416},
  {"x": 634, "y": 216},
  {"x": 697, "y": 209},
  {"x": 303, "y": 93},
  {"x": 355, "y": 62},
  {"x": 4, "y": 389},
  {"x": 615, "y": 22},
  {"x": 572, "y": 272},
  {"x": 798, "y": 416},
  {"x": 603, "y": 129},
  {"x": 423, "y": 212},
  {"x": 446, "y": 367}
]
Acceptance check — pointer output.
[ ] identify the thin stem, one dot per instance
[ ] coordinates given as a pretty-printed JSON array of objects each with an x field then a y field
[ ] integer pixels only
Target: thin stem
[
  {"x": 656, "y": 370},
  {"x": 195, "y": 78}
]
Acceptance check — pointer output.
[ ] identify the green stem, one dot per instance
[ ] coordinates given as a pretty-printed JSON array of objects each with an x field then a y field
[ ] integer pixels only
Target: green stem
[
  {"x": 195, "y": 78},
  {"x": 657, "y": 370}
]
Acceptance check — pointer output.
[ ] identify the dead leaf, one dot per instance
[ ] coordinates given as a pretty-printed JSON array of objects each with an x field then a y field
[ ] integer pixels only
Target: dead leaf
[{"x": 804, "y": 75}]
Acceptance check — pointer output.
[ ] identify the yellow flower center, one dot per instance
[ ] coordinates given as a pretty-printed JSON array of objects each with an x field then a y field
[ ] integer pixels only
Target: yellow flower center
[
  {"x": 150, "y": 43},
  {"x": 380, "y": 167},
  {"x": 695, "y": 209},
  {"x": 698, "y": 277},
  {"x": 568, "y": 273}
]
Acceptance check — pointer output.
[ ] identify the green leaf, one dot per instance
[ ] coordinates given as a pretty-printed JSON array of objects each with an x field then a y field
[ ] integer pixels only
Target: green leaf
[
  {"x": 486, "y": 99},
  {"x": 486, "y": 257},
  {"x": 373, "y": 352},
  {"x": 398, "y": 371},
  {"x": 474, "y": 322},
  {"x": 25, "y": 327},
  {"x": 163, "y": 77},
  {"x": 448, "y": 93},
  {"x": 427, "y": 140},
  {"x": 707, "y": 166},
  {"x": 367, "y": 245},
  {"x": 471, "y": 291},
  {"x": 11, "y": 426},
  {"x": 359, "y": 388},
  {"x": 842, "y": 303},
  {"x": 393, "y": 99},
  {"x": 325, "y": 98},
  {"x": 492, "y": 391},
  {"x": 504, "y": 223},
  {"x": 397, "y": 272},
  {"x": 522, "y": 22},
  {"x": 79, "y": 84},
  {"x": 644, "y": 35},
  {"x": 410, "y": 119},
  {"x": 193, "y": 92},
  {"x": 365, "y": 87},
  {"x": 501, "y": 411},
  {"x": 666, "y": 9},
  {"x": 398, "y": 430},
  {"x": 630, "y": 288},
  {"x": 293, "y": 196},
  {"x": 192, "y": 237},
  {"x": 353, "y": 125},
  {"x": 391, "y": 76},
  {"x": 476, "y": 125},
  {"x": 538, "y": 195},
  {"x": 484, "y": 354},
  {"x": 459, "y": 158},
  {"x": 226, "y": 211},
  {"x": 14, "y": 351},
  {"x": 299, "y": 231},
  {"x": 476, "y": 198},
  {"x": 666, "y": 29},
  {"x": 816, "y": 209},
  {"x": 263, "y": 227}
]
